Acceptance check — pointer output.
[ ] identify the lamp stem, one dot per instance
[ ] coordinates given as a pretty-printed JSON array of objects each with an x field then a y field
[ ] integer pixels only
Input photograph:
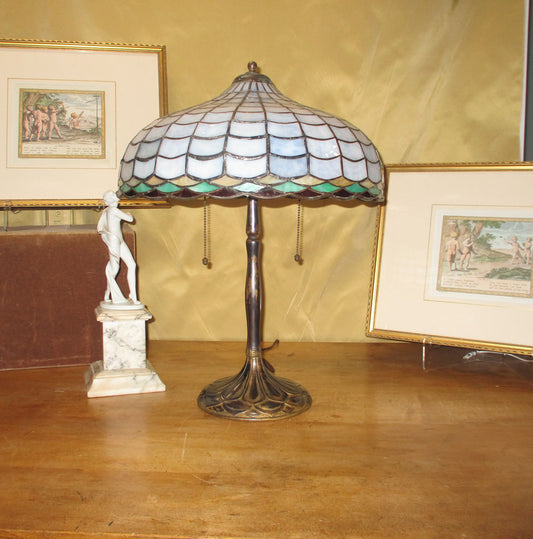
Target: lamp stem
[
  {"x": 254, "y": 285},
  {"x": 255, "y": 393}
]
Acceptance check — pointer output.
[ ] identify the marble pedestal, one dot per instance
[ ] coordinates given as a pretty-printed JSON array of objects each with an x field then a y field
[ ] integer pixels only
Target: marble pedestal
[{"x": 124, "y": 369}]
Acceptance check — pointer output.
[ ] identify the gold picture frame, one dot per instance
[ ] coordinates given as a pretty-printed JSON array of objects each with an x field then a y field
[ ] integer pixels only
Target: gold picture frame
[
  {"x": 452, "y": 257},
  {"x": 68, "y": 110}
]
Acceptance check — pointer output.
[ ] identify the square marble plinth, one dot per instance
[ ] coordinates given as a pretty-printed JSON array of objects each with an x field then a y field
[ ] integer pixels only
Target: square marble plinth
[
  {"x": 124, "y": 335},
  {"x": 105, "y": 383},
  {"x": 124, "y": 369}
]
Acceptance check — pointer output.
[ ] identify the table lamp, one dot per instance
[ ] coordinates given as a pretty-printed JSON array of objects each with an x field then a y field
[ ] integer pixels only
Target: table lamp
[{"x": 252, "y": 141}]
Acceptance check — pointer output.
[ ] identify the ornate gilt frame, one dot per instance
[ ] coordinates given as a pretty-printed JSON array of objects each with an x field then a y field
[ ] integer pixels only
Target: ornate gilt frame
[
  {"x": 152, "y": 94},
  {"x": 406, "y": 301}
]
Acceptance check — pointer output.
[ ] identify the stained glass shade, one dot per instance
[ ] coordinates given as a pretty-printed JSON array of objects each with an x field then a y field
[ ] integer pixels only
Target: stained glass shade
[{"x": 251, "y": 141}]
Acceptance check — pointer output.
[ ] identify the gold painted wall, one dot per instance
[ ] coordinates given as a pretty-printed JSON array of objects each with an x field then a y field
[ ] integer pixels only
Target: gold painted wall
[{"x": 427, "y": 81}]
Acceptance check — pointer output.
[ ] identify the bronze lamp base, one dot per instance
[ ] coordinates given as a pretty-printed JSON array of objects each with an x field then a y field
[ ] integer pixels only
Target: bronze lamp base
[{"x": 254, "y": 394}]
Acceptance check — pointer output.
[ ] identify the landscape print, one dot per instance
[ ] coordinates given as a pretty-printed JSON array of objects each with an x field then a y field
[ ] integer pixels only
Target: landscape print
[
  {"x": 486, "y": 256},
  {"x": 61, "y": 123}
]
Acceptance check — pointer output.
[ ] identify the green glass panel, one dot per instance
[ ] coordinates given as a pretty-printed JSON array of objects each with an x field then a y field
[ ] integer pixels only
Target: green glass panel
[
  {"x": 169, "y": 188},
  {"x": 142, "y": 188},
  {"x": 288, "y": 187},
  {"x": 204, "y": 187},
  {"x": 356, "y": 188},
  {"x": 324, "y": 188},
  {"x": 248, "y": 187}
]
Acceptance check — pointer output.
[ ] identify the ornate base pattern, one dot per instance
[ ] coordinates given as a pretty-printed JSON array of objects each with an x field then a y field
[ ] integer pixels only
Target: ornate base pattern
[{"x": 254, "y": 394}]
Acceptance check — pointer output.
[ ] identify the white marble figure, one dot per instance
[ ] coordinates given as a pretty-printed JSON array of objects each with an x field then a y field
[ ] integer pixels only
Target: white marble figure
[{"x": 110, "y": 228}]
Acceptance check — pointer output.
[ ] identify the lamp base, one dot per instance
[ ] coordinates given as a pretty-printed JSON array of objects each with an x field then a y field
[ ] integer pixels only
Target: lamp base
[{"x": 254, "y": 394}]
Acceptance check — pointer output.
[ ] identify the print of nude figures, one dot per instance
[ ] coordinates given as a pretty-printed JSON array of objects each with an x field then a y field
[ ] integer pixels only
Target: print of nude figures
[
  {"x": 486, "y": 256},
  {"x": 61, "y": 123}
]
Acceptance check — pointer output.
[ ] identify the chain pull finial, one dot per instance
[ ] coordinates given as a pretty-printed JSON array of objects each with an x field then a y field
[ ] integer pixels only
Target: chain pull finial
[
  {"x": 299, "y": 234},
  {"x": 205, "y": 259}
]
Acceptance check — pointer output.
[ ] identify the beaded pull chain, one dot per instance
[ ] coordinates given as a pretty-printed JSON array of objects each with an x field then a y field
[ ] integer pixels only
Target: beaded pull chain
[
  {"x": 205, "y": 259},
  {"x": 299, "y": 234}
]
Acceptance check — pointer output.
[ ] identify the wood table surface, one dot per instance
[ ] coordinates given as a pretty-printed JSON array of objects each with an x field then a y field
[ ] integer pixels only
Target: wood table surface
[{"x": 388, "y": 449}]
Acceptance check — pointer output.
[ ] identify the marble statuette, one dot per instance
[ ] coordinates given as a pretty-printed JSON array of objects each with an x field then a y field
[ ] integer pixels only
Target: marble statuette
[{"x": 124, "y": 369}]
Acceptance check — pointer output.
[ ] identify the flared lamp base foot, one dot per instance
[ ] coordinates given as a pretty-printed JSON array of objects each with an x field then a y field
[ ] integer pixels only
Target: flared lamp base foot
[{"x": 254, "y": 396}]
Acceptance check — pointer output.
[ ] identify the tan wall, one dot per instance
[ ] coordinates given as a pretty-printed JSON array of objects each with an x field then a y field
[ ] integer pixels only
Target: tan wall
[{"x": 427, "y": 81}]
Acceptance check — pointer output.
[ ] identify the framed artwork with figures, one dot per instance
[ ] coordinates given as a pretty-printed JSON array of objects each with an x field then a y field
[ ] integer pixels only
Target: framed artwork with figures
[
  {"x": 69, "y": 110},
  {"x": 453, "y": 257}
]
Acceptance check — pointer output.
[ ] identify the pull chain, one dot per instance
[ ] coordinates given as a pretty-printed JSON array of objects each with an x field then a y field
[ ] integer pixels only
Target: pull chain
[
  {"x": 299, "y": 234},
  {"x": 205, "y": 259}
]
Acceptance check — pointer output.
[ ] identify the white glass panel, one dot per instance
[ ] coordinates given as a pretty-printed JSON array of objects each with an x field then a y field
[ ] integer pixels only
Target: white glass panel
[
  {"x": 370, "y": 153},
  {"x": 156, "y": 133},
  {"x": 266, "y": 87},
  {"x": 211, "y": 130},
  {"x": 374, "y": 172},
  {"x": 239, "y": 87},
  {"x": 190, "y": 118},
  {"x": 245, "y": 168},
  {"x": 249, "y": 116},
  {"x": 169, "y": 169},
  {"x": 273, "y": 107},
  {"x": 285, "y": 130},
  {"x": 331, "y": 120},
  {"x": 126, "y": 170},
  {"x": 180, "y": 131},
  {"x": 281, "y": 117},
  {"x": 174, "y": 147},
  {"x": 246, "y": 147},
  {"x": 354, "y": 171},
  {"x": 343, "y": 133},
  {"x": 218, "y": 116},
  {"x": 130, "y": 152},
  {"x": 144, "y": 169},
  {"x": 327, "y": 170},
  {"x": 323, "y": 149},
  {"x": 252, "y": 104},
  {"x": 317, "y": 131},
  {"x": 288, "y": 168},
  {"x": 287, "y": 147},
  {"x": 310, "y": 119},
  {"x": 206, "y": 146},
  {"x": 224, "y": 108},
  {"x": 205, "y": 169},
  {"x": 241, "y": 129},
  {"x": 361, "y": 137},
  {"x": 148, "y": 149},
  {"x": 351, "y": 151}
]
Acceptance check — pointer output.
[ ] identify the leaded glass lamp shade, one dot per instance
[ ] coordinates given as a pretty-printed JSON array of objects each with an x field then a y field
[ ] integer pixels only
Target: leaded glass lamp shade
[{"x": 252, "y": 141}]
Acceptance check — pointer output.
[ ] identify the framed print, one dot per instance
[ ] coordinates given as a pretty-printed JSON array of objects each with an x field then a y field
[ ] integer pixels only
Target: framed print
[
  {"x": 453, "y": 257},
  {"x": 67, "y": 112}
]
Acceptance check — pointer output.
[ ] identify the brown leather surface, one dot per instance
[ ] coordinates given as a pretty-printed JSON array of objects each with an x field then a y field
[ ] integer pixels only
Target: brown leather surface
[{"x": 51, "y": 280}]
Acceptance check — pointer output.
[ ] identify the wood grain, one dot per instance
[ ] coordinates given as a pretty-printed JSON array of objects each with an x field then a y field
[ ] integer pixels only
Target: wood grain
[{"x": 386, "y": 450}]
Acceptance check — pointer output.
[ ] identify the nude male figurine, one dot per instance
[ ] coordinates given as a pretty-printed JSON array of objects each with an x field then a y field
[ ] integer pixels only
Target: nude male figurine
[{"x": 109, "y": 226}]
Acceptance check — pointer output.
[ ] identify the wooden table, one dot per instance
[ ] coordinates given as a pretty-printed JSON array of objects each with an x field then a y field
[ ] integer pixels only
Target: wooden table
[{"x": 386, "y": 450}]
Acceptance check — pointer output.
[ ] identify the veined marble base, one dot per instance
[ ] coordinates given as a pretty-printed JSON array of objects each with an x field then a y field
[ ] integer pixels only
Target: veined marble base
[
  {"x": 124, "y": 336},
  {"x": 124, "y": 369},
  {"x": 105, "y": 383}
]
